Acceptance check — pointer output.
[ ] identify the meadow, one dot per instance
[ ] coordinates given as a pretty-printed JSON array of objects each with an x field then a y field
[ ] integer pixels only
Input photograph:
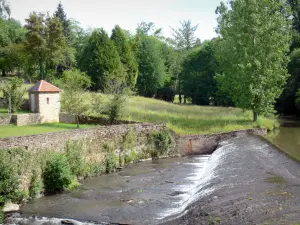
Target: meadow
[
  {"x": 183, "y": 119},
  {"x": 190, "y": 119}
]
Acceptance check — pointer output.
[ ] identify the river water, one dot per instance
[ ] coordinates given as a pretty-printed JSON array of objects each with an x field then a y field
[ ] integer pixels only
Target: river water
[{"x": 245, "y": 181}]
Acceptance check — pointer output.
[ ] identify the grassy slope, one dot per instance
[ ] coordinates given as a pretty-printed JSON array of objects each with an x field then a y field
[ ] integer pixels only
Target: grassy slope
[
  {"x": 12, "y": 130},
  {"x": 188, "y": 119}
]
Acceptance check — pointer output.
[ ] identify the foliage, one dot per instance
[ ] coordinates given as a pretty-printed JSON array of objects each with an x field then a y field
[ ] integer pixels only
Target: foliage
[
  {"x": 12, "y": 34},
  {"x": 57, "y": 174},
  {"x": 4, "y": 9},
  {"x": 198, "y": 74},
  {"x": 73, "y": 99},
  {"x": 131, "y": 156},
  {"x": 46, "y": 45},
  {"x": 151, "y": 67},
  {"x": 110, "y": 159},
  {"x": 253, "y": 61},
  {"x": 184, "y": 36},
  {"x": 100, "y": 60},
  {"x": 126, "y": 55},
  {"x": 76, "y": 159},
  {"x": 162, "y": 142},
  {"x": 9, "y": 179},
  {"x": 13, "y": 93},
  {"x": 117, "y": 95},
  {"x": 60, "y": 13},
  {"x": 36, "y": 185}
]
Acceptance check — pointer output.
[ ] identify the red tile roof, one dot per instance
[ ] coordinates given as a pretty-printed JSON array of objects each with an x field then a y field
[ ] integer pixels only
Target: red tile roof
[{"x": 44, "y": 86}]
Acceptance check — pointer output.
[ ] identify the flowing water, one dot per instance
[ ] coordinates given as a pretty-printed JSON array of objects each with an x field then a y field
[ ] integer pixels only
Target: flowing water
[{"x": 245, "y": 181}]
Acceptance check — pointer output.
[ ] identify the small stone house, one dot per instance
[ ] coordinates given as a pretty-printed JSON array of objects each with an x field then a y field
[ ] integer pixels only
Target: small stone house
[{"x": 44, "y": 99}]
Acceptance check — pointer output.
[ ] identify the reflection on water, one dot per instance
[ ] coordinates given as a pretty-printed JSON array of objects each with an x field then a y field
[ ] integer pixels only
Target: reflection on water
[{"x": 287, "y": 138}]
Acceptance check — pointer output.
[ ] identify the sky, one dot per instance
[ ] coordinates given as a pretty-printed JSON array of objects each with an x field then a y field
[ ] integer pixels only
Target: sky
[{"x": 128, "y": 13}]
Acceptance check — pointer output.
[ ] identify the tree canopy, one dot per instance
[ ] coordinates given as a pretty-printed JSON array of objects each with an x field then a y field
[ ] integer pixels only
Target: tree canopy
[{"x": 253, "y": 52}]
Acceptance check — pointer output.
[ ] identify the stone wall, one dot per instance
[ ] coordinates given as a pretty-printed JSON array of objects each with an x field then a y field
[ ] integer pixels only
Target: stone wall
[
  {"x": 57, "y": 141},
  {"x": 26, "y": 119},
  {"x": 206, "y": 144},
  {"x": 5, "y": 119}
]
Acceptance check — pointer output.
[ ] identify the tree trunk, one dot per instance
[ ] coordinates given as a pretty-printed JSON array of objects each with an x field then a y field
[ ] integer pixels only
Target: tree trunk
[
  {"x": 255, "y": 116},
  {"x": 184, "y": 99},
  {"x": 3, "y": 73},
  {"x": 77, "y": 121}
]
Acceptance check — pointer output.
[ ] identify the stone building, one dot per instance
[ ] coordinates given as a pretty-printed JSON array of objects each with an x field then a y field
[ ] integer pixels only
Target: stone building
[{"x": 44, "y": 99}]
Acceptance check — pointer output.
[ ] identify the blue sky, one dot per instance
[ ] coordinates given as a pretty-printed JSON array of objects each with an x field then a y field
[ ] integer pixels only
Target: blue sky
[{"x": 107, "y": 13}]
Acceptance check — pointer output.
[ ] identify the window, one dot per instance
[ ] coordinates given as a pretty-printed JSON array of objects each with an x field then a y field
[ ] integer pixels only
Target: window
[{"x": 48, "y": 101}]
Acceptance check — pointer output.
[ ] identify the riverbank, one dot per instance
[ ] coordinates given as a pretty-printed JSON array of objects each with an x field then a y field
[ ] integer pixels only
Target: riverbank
[
  {"x": 90, "y": 152},
  {"x": 245, "y": 181}
]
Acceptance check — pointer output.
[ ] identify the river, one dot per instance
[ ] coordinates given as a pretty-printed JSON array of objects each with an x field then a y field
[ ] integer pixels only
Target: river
[{"x": 245, "y": 181}]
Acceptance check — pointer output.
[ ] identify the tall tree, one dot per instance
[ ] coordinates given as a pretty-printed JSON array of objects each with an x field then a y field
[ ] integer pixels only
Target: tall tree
[
  {"x": 151, "y": 66},
  {"x": 11, "y": 34},
  {"x": 252, "y": 54},
  {"x": 46, "y": 45},
  {"x": 184, "y": 40},
  {"x": 126, "y": 56},
  {"x": 4, "y": 9},
  {"x": 35, "y": 44},
  {"x": 199, "y": 70},
  {"x": 60, "y": 13},
  {"x": 100, "y": 60}
]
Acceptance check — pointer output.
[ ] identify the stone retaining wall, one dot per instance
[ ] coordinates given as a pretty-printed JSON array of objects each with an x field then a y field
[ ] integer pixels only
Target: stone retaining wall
[
  {"x": 26, "y": 119},
  {"x": 5, "y": 119},
  {"x": 207, "y": 144},
  {"x": 57, "y": 141}
]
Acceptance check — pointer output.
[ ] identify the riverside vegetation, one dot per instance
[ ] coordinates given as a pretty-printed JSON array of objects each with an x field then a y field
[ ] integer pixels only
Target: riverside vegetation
[{"x": 25, "y": 175}]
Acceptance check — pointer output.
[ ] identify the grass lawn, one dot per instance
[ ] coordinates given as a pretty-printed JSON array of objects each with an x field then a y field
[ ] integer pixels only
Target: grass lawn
[
  {"x": 189, "y": 119},
  {"x": 5, "y": 111},
  {"x": 12, "y": 130}
]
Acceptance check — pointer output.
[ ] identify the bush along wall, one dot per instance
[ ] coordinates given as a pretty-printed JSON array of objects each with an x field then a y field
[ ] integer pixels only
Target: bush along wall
[{"x": 25, "y": 175}]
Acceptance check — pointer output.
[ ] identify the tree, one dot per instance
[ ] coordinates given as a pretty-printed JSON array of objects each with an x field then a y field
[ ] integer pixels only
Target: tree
[
  {"x": 13, "y": 93},
  {"x": 286, "y": 102},
  {"x": 46, "y": 44},
  {"x": 151, "y": 66},
  {"x": 183, "y": 40},
  {"x": 126, "y": 56},
  {"x": 100, "y": 60},
  {"x": 4, "y": 9},
  {"x": 66, "y": 24},
  {"x": 74, "y": 98},
  {"x": 252, "y": 54},
  {"x": 198, "y": 75},
  {"x": 11, "y": 36}
]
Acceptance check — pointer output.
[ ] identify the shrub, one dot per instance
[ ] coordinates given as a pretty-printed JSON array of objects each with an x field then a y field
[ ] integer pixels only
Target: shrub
[
  {"x": 111, "y": 158},
  {"x": 57, "y": 173},
  {"x": 9, "y": 180},
  {"x": 131, "y": 157},
  {"x": 161, "y": 142},
  {"x": 95, "y": 169},
  {"x": 36, "y": 185},
  {"x": 129, "y": 139},
  {"x": 1, "y": 215},
  {"x": 75, "y": 158}
]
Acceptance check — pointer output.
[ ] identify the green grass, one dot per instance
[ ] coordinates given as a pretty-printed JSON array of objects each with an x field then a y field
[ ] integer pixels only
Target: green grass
[
  {"x": 12, "y": 130},
  {"x": 189, "y": 119},
  {"x": 5, "y": 111}
]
